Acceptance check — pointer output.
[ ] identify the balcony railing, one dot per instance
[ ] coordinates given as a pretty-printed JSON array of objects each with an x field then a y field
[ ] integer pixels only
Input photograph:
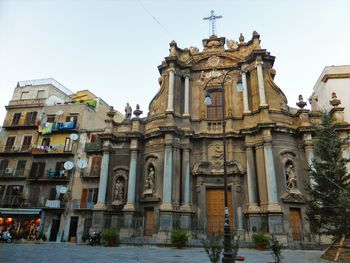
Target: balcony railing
[
  {"x": 78, "y": 205},
  {"x": 39, "y": 149},
  {"x": 50, "y": 127},
  {"x": 11, "y": 201},
  {"x": 10, "y": 123},
  {"x": 43, "y": 202},
  {"x": 13, "y": 173},
  {"x": 50, "y": 175},
  {"x": 27, "y": 102},
  {"x": 53, "y": 203},
  {"x": 93, "y": 146}
]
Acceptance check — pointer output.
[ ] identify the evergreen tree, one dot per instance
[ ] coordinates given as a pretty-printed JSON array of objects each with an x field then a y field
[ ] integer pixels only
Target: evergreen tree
[{"x": 329, "y": 204}]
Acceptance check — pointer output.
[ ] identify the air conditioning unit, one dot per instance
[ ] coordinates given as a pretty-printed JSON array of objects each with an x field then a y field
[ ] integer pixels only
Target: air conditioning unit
[{"x": 9, "y": 171}]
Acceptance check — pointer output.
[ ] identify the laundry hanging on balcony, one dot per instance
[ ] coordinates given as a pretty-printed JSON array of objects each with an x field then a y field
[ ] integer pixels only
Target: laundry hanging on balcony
[
  {"x": 46, "y": 128},
  {"x": 66, "y": 125}
]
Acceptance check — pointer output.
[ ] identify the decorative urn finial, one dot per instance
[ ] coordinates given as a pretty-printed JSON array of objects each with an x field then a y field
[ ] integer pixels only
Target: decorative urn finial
[
  {"x": 301, "y": 104},
  {"x": 111, "y": 112},
  {"x": 137, "y": 112},
  {"x": 334, "y": 101}
]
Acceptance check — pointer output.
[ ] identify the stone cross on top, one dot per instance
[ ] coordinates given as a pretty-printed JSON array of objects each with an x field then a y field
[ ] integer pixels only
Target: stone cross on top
[{"x": 212, "y": 19}]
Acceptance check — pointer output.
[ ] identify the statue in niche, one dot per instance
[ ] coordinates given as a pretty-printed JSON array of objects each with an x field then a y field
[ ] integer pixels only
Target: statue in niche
[
  {"x": 291, "y": 177},
  {"x": 149, "y": 181},
  {"x": 119, "y": 191},
  {"x": 128, "y": 111}
]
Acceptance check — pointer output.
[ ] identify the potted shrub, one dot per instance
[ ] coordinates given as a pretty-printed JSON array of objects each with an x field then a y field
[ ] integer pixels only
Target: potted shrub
[
  {"x": 260, "y": 240},
  {"x": 110, "y": 236},
  {"x": 179, "y": 238}
]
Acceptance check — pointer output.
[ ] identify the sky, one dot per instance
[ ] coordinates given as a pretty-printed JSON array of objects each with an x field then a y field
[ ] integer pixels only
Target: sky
[{"x": 113, "y": 47}]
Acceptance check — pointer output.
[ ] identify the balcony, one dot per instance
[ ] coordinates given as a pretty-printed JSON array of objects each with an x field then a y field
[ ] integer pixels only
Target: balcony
[
  {"x": 50, "y": 176},
  {"x": 77, "y": 205},
  {"x": 94, "y": 173},
  {"x": 16, "y": 149},
  {"x": 55, "y": 127},
  {"x": 50, "y": 150},
  {"x": 53, "y": 203},
  {"x": 21, "y": 124},
  {"x": 45, "y": 203},
  {"x": 93, "y": 146},
  {"x": 26, "y": 102},
  {"x": 14, "y": 174},
  {"x": 12, "y": 201}
]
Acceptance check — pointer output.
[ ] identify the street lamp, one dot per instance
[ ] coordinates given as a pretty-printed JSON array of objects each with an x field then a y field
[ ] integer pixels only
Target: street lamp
[{"x": 227, "y": 255}]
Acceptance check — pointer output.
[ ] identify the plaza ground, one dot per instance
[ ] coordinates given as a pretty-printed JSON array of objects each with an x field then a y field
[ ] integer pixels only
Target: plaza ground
[{"x": 68, "y": 252}]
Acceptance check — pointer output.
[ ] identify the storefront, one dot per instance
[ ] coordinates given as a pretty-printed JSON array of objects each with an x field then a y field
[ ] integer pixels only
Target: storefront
[{"x": 21, "y": 222}]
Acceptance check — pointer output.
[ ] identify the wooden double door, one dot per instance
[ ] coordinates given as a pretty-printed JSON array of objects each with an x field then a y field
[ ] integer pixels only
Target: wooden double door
[
  {"x": 215, "y": 205},
  {"x": 295, "y": 223},
  {"x": 149, "y": 222}
]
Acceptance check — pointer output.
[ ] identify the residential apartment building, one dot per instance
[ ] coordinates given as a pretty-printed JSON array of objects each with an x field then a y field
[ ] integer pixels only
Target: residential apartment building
[
  {"x": 42, "y": 140},
  {"x": 333, "y": 83}
]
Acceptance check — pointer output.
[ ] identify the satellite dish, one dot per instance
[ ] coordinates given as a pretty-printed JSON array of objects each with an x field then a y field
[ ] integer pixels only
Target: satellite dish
[
  {"x": 82, "y": 164},
  {"x": 63, "y": 190},
  {"x": 74, "y": 137},
  {"x": 68, "y": 165},
  {"x": 59, "y": 113}
]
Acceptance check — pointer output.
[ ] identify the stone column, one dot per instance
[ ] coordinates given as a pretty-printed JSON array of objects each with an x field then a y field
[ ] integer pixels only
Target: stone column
[
  {"x": 171, "y": 90},
  {"x": 187, "y": 96},
  {"x": 129, "y": 209},
  {"x": 167, "y": 181},
  {"x": 186, "y": 210},
  {"x": 271, "y": 178},
  {"x": 130, "y": 204},
  {"x": 102, "y": 188},
  {"x": 262, "y": 94},
  {"x": 245, "y": 93},
  {"x": 166, "y": 208},
  {"x": 251, "y": 180}
]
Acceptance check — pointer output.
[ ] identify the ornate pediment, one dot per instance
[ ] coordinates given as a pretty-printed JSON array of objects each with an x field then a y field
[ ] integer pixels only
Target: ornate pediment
[
  {"x": 293, "y": 196},
  {"x": 209, "y": 168}
]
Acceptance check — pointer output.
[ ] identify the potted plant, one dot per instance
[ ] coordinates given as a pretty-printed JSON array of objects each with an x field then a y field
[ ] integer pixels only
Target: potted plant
[
  {"x": 260, "y": 240},
  {"x": 179, "y": 238},
  {"x": 110, "y": 236}
]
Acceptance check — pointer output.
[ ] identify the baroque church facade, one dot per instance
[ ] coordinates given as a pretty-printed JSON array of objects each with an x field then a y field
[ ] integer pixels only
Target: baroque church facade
[{"x": 165, "y": 171}]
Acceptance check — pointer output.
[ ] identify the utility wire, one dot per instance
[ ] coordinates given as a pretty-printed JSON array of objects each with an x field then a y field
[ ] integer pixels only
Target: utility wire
[{"x": 154, "y": 18}]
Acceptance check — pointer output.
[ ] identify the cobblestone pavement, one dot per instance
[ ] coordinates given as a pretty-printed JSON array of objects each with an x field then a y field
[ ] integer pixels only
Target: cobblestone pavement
[{"x": 67, "y": 252}]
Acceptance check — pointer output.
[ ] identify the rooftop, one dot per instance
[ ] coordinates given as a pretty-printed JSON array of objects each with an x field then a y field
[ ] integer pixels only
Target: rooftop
[{"x": 48, "y": 81}]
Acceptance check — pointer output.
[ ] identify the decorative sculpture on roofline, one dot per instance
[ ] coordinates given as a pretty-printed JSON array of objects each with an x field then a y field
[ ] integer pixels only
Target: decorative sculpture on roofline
[{"x": 128, "y": 111}]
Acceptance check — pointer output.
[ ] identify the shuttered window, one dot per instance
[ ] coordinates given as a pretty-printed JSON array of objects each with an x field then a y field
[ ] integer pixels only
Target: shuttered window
[{"x": 214, "y": 111}]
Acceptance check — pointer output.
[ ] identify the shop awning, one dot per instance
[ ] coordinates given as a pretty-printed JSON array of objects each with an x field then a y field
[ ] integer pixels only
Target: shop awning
[{"x": 19, "y": 211}]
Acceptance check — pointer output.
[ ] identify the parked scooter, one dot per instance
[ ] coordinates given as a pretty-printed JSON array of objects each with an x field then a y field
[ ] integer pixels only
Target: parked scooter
[
  {"x": 94, "y": 238},
  {"x": 6, "y": 237}
]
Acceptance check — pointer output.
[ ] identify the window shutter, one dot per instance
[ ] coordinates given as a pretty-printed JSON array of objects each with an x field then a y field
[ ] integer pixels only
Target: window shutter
[
  {"x": 95, "y": 195},
  {"x": 83, "y": 201}
]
